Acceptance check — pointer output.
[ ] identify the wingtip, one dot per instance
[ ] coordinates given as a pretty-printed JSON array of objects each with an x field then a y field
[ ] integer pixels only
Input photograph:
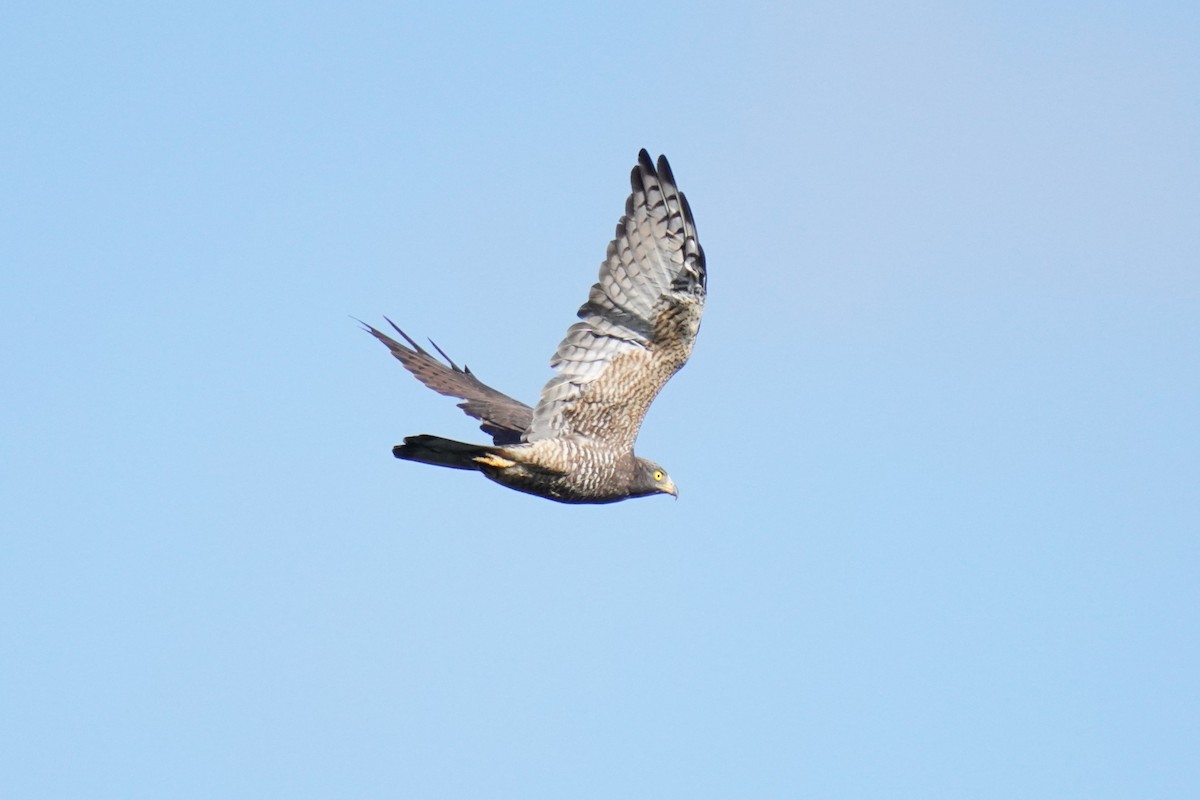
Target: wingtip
[
  {"x": 405, "y": 336},
  {"x": 442, "y": 353},
  {"x": 664, "y": 171},
  {"x": 646, "y": 168}
]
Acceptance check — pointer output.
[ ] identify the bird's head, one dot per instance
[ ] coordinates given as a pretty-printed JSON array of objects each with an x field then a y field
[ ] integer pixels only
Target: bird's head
[{"x": 653, "y": 479}]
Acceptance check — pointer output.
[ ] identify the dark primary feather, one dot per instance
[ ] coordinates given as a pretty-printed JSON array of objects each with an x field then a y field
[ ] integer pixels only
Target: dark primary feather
[{"x": 502, "y": 417}]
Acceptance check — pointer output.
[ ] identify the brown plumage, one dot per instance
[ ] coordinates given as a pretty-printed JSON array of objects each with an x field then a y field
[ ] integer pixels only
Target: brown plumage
[{"x": 636, "y": 330}]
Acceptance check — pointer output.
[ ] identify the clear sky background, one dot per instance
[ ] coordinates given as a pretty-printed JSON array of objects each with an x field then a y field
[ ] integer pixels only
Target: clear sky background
[{"x": 938, "y": 446}]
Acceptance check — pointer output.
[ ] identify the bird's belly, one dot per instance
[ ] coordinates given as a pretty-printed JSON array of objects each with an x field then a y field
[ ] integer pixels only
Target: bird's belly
[{"x": 570, "y": 487}]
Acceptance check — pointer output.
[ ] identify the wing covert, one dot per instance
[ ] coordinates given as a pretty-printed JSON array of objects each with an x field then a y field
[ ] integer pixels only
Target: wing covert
[{"x": 639, "y": 323}]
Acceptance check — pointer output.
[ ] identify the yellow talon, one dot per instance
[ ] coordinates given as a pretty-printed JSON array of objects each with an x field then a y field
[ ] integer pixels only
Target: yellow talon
[{"x": 493, "y": 460}]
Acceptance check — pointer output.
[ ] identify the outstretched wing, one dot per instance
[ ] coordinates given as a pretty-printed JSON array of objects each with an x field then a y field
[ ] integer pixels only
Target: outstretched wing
[
  {"x": 639, "y": 323},
  {"x": 503, "y": 418}
]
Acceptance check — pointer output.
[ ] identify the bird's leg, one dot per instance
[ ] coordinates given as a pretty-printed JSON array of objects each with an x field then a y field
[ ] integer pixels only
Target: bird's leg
[{"x": 493, "y": 460}]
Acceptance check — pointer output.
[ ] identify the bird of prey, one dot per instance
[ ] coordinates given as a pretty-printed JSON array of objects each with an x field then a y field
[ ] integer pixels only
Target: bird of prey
[{"x": 635, "y": 331}]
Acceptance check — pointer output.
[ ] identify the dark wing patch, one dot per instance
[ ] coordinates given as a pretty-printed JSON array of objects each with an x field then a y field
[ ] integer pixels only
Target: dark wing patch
[{"x": 502, "y": 417}]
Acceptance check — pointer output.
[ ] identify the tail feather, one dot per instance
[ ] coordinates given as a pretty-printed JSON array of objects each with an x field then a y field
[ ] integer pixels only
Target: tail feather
[{"x": 440, "y": 452}]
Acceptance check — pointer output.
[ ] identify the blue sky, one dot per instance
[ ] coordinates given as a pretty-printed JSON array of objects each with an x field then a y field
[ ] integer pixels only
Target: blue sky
[{"x": 937, "y": 445}]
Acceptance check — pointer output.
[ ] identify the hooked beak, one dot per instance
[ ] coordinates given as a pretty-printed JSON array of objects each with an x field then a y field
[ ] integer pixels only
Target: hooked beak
[{"x": 669, "y": 488}]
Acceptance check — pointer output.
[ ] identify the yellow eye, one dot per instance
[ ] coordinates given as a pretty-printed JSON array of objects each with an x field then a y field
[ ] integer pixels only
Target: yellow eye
[{"x": 659, "y": 475}]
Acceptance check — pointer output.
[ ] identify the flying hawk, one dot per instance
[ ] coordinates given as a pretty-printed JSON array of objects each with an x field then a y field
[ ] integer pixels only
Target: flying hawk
[{"x": 636, "y": 330}]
